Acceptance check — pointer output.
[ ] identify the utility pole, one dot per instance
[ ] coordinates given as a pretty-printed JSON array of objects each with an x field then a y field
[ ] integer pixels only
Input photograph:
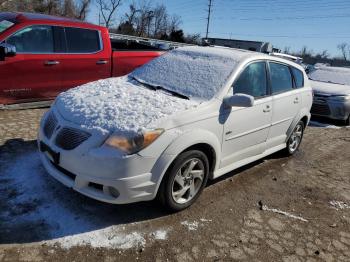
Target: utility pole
[{"x": 208, "y": 19}]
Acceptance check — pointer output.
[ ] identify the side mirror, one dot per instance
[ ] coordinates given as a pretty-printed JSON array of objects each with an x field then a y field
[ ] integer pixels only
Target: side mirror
[
  {"x": 239, "y": 100},
  {"x": 7, "y": 50}
]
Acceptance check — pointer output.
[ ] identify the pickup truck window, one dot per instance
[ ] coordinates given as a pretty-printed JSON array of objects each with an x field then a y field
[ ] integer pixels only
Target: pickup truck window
[
  {"x": 4, "y": 24},
  {"x": 81, "y": 40},
  {"x": 33, "y": 39}
]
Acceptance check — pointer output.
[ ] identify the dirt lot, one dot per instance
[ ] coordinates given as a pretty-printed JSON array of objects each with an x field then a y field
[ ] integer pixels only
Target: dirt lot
[{"x": 277, "y": 209}]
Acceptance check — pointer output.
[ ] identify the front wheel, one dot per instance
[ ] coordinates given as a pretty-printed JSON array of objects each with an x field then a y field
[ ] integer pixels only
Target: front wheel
[
  {"x": 185, "y": 180},
  {"x": 295, "y": 138}
]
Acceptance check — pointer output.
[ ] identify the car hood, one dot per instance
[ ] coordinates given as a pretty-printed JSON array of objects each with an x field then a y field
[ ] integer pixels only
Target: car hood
[
  {"x": 330, "y": 88},
  {"x": 119, "y": 105}
]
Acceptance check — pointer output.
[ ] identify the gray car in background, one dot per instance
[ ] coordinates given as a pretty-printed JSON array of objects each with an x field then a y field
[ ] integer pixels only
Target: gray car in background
[{"x": 331, "y": 87}]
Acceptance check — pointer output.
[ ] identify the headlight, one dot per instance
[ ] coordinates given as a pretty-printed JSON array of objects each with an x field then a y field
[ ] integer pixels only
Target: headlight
[
  {"x": 131, "y": 145},
  {"x": 340, "y": 98}
]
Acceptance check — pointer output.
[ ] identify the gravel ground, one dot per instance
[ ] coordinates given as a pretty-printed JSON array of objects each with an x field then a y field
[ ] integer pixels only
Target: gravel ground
[{"x": 276, "y": 209}]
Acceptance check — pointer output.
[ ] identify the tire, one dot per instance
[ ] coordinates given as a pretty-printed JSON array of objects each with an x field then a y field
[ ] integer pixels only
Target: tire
[
  {"x": 347, "y": 121},
  {"x": 295, "y": 137},
  {"x": 183, "y": 182}
]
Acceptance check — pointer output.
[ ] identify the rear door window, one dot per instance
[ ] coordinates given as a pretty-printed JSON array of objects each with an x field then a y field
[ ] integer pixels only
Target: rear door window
[
  {"x": 252, "y": 80},
  {"x": 81, "y": 40},
  {"x": 281, "y": 78},
  {"x": 298, "y": 77},
  {"x": 33, "y": 39}
]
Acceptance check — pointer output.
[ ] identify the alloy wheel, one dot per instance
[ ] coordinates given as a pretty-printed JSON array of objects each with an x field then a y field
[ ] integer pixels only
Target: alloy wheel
[{"x": 188, "y": 180}]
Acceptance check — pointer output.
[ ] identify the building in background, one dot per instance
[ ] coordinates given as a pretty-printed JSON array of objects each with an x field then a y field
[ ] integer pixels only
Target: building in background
[{"x": 257, "y": 46}]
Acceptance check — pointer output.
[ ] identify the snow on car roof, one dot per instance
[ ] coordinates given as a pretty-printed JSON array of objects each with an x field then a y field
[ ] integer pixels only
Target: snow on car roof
[
  {"x": 337, "y": 75},
  {"x": 196, "y": 72}
]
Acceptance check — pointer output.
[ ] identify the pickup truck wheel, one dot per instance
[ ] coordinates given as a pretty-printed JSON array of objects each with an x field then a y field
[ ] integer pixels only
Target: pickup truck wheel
[
  {"x": 185, "y": 180},
  {"x": 295, "y": 138},
  {"x": 347, "y": 121}
]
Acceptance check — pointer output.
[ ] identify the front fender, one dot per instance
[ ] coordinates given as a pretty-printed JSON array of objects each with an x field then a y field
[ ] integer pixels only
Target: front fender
[{"x": 180, "y": 144}]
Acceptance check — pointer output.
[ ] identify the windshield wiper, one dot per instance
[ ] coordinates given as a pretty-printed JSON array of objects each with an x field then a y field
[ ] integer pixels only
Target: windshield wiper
[
  {"x": 172, "y": 92},
  {"x": 155, "y": 88},
  {"x": 143, "y": 84}
]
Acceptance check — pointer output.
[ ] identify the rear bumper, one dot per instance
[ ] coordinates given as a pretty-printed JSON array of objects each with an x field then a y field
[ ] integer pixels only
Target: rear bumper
[{"x": 331, "y": 109}]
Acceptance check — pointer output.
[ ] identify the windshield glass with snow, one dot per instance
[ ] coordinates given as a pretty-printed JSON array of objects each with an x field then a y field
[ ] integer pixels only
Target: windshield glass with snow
[
  {"x": 4, "y": 24},
  {"x": 194, "y": 72}
]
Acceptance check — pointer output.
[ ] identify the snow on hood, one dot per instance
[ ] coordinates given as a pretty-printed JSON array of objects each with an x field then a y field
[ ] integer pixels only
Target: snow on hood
[
  {"x": 329, "y": 88},
  {"x": 195, "y": 72},
  {"x": 118, "y": 105},
  {"x": 336, "y": 75}
]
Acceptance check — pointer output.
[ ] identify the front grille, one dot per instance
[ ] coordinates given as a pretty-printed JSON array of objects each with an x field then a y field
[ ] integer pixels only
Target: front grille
[
  {"x": 50, "y": 125},
  {"x": 70, "y": 138},
  {"x": 319, "y": 109}
]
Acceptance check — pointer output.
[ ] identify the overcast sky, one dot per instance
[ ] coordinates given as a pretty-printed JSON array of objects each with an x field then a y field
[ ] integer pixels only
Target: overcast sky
[{"x": 318, "y": 24}]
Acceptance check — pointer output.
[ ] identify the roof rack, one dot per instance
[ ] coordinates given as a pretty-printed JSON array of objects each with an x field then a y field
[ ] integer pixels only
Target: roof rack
[{"x": 149, "y": 41}]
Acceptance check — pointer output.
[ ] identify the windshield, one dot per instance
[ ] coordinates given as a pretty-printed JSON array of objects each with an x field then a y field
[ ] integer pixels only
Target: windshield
[
  {"x": 4, "y": 24},
  {"x": 194, "y": 72}
]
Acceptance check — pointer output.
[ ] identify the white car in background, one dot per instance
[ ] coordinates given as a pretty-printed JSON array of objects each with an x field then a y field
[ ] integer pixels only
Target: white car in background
[
  {"x": 190, "y": 115},
  {"x": 331, "y": 86}
]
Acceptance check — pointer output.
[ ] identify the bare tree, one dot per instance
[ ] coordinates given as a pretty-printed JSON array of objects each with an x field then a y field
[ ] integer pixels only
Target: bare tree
[
  {"x": 286, "y": 50},
  {"x": 324, "y": 54},
  {"x": 107, "y": 9},
  {"x": 160, "y": 20},
  {"x": 174, "y": 24},
  {"x": 82, "y": 9},
  {"x": 131, "y": 16},
  {"x": 344, "y": 48}
]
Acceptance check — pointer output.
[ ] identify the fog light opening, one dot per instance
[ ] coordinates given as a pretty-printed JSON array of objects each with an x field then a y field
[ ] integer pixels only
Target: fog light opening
[{"x": 114, "y": 192}]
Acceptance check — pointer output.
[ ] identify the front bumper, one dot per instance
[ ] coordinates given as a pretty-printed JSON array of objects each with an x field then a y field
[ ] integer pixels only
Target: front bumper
[
  {"x": 106, "y": 177},
  {"x": 331, "y": 109}
]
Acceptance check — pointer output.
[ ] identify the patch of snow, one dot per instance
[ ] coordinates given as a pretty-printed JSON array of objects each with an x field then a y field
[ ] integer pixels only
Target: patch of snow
[
  {"x": 190, "y": 225},
  {"x": 318, "y": 124},
  {"x": 118, "y": 105},
  {"x": 338, "y": 75},
  {"x": 195, "y": 72},
  {"x": 205, "y": 220},
  {"x": 339, "y": 204},
  {"x": 274, "y": 210},
  {"x": 108, "y": 237},
  {"x": 160, "y": 234}
]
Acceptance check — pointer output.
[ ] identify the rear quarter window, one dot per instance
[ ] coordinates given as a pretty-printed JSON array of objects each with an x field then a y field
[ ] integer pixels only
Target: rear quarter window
[
  {"x": 298, "y": 77},
  {"x": 81, "y": 40}
]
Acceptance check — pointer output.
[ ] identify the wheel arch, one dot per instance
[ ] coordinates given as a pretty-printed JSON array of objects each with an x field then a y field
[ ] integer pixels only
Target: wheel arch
[{"x": 202, "y": 140}]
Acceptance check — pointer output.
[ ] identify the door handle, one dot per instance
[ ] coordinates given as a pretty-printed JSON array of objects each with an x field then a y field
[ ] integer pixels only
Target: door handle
[
  {"x": 267, "y": 109},
  {"x": 101, "y": 62},
  {"x": 296, "y": 100},
  {"x": 51, "y": 63}
]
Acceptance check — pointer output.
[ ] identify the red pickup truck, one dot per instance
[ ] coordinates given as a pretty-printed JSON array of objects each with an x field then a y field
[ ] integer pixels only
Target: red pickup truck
[{"x": 41, "y": 56}]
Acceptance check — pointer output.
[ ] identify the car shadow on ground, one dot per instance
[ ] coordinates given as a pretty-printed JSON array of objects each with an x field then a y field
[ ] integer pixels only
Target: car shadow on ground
[
  {"x": 328, "y": 121},
  {"x": 35, "y": 207}
]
